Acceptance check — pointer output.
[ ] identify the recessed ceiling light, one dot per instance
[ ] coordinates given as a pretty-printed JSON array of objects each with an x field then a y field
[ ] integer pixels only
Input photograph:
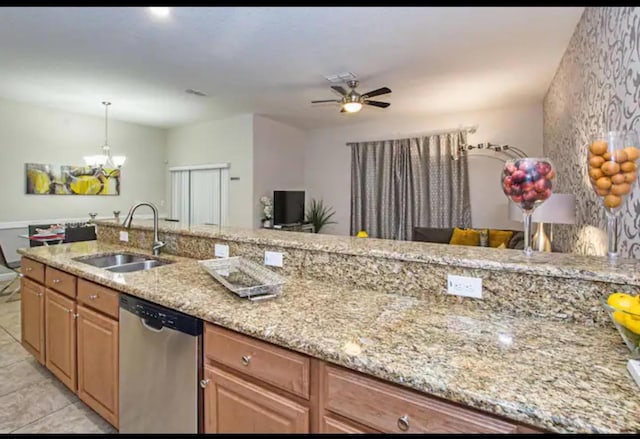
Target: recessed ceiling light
[{"x": 160, "y": 11}]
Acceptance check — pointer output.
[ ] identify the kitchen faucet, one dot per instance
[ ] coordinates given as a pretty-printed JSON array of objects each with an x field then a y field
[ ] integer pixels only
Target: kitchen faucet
[{"x": 157, "y": 244}]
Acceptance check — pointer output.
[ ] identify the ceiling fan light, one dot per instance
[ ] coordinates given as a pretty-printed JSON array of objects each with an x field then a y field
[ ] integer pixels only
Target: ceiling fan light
[
  {"x": 352, "y": 107},
  {"x": 118, "y": 160}
]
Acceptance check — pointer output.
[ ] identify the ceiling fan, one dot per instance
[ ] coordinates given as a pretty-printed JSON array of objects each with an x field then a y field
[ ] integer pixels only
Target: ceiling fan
[{"x": 352, "y": 101}]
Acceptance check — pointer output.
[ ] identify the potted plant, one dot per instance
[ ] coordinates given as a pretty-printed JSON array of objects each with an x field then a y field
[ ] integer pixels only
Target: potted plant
[
  {"x": 319, "y": 215},
  {"x": 267, "y": 212}
]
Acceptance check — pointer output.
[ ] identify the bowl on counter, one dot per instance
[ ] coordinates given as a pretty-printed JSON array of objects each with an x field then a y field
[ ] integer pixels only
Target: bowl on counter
[{"x": 628, "y": 325}]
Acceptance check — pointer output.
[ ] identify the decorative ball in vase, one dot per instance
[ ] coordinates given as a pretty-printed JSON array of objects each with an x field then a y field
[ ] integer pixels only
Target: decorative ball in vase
[
  {"x": 528, "y": 182},
  {"x": 613, "y": 164}
]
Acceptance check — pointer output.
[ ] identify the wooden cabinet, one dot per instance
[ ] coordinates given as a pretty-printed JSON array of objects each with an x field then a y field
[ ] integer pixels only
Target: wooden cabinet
[
  {"x": 60, "y": 337},
  {"x": 391, "y": 409},
  {"x": 61, "y": 282},
  {"x": 233, "y": 405},
  {"x": 272, "y": 364},
  {"x": 331, "y": 425},
  {"x": 32, "y": 269},
  {"x": 98, "y": 363},
  {"x": 32, "y": 318},
  {"x": 100, "y": 298}
]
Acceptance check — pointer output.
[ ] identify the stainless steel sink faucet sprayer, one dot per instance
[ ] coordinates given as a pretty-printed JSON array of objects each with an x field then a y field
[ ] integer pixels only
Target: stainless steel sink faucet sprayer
[{"x": 157, "y": 244}]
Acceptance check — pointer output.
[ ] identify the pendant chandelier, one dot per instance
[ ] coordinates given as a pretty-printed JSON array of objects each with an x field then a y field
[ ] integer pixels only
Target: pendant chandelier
[{"x": 105, "y": 160}]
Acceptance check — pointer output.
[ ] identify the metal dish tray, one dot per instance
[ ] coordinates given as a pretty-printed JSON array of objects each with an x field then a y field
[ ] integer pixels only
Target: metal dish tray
[{"x": 244, "y": 277}]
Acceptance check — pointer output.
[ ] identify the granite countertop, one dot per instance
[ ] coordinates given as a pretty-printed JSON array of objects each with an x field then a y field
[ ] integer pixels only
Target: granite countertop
[
  {"x": 557, "y": 376},
  {"x": 565, "y": 265}
]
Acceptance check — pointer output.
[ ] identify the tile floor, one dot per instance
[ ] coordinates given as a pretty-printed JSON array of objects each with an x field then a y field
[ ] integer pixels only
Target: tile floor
[{"x": 32, "y": 400}]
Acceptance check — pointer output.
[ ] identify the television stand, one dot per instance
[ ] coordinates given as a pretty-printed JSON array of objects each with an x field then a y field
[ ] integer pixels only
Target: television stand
[{"x": 308, "y": 228}]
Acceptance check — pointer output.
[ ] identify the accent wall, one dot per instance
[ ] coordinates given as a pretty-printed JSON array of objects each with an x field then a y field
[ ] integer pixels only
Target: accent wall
[{"x": 596, "y": 87}]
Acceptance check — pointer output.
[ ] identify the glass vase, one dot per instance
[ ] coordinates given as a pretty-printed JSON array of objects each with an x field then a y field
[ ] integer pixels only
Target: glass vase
[
  {"x": 613, "y": 164},
  {"x": 528, "y": 182}
]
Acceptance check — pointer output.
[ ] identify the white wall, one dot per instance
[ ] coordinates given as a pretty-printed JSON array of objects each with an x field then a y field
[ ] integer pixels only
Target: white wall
[
  {"x": 328, "y": 160},
  {"x": 218, "y": 141},
  {"x": 278, "y": 160},
  {"x": 33, "y": 134}
]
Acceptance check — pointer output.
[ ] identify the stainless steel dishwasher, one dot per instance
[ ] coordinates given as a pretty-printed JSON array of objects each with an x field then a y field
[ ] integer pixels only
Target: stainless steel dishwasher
[{"x": 160, "y": 364}]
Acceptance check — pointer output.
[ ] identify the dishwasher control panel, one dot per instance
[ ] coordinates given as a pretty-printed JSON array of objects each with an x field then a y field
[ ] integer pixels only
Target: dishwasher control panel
[{"x": 158, "y": 317}]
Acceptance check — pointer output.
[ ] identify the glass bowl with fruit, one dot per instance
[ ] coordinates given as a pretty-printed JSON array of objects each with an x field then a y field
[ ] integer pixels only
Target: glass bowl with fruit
[
  {"x": 613, "y": 164},
  {"x": 528, "y": 182},
  {"x": 624, "y": 310}
]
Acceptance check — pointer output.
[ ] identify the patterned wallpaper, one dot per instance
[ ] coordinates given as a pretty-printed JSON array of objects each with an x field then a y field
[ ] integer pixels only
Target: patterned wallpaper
[{"x": 596, "y": 87}]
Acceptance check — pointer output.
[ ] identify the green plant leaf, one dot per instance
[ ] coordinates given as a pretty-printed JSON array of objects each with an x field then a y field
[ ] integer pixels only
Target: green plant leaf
[{"x": 319, "y": 215}]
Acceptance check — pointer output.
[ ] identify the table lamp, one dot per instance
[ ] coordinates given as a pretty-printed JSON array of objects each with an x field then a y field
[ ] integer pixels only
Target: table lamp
[{"x": 558, "y": 209}]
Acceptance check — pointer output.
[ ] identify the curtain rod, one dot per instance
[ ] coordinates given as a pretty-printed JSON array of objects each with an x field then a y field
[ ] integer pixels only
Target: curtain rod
[{"x": 468, "y": 129}]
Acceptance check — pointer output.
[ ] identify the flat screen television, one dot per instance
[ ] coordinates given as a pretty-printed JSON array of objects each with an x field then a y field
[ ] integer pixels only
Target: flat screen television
[{"x": 288, "y": 207}]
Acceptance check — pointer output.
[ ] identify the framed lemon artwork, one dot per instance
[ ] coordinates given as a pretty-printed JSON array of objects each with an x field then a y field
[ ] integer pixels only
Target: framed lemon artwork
[{"x": 42, "y": 179}]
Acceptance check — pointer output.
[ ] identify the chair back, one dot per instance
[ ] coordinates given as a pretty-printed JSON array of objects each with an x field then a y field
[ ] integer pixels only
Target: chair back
[
  {"x": 32, "y": 231},
  {"x": 81, "y": 233},
  {"x": 3, "y": 259}
]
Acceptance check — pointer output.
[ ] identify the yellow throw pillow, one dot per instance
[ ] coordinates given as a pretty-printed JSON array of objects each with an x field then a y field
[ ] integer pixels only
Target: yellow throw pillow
[
  {"x": 503, "y": 245},
  {"x": 497, "y": 237},
  {"x": 465, "y": 237}
]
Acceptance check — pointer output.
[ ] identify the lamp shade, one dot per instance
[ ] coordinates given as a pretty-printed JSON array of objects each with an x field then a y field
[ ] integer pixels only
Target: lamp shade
[{"x": 558, "y": 209}]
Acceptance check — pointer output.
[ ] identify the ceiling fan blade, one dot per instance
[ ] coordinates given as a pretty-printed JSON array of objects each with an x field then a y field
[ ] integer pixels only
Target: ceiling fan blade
[
  {"x": 377, "y": 92},
  {"x": 339, "y": 89},
  {"x": 326, "y": 100},
  {"x": 377, "y": 104}
]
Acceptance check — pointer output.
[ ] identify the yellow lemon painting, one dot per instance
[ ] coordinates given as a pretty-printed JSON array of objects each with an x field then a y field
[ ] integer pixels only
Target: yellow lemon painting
[{"x": 71, "y": 180}]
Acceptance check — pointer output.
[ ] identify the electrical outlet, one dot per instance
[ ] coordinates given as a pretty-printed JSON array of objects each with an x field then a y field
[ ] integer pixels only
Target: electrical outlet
[
  {"x": 124, "y": 236},
  {"x": 273, "y": 259},
  {"x": 221, "y": 251},
  {"x": 464, "y": 286}
]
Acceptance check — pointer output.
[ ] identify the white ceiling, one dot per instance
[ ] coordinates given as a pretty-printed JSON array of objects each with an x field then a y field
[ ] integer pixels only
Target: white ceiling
[{"x": 272, "y": 61}]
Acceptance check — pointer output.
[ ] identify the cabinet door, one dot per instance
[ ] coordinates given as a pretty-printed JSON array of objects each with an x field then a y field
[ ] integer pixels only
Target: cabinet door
[
  {"x": 60, "y": 337},
  {"x": 330, "y": 424},
  {"x": 233, "y": 405},
  {"x": 32, "y": 318},
  {"x": 98, "y": 363}
]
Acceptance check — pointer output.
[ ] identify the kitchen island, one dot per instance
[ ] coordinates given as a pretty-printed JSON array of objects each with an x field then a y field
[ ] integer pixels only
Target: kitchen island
[{"x": 552, "y": 374}]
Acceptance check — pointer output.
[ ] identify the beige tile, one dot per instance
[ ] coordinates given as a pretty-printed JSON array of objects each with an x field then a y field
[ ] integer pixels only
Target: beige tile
[
  {"x": 21, "y": 374},
  {"x": 5, "y": 337},
  {"x": 11, "y": 323},
  {"x": 11, "y": 352},
  {"x": 75, "y": 418},
  {"x": 12, "y": 307},
  {"x": 30, "y": 403}
]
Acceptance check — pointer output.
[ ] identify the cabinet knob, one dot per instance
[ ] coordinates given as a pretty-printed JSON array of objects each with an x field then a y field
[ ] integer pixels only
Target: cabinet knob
[
  {"x": 204, "y": 382},
  {"x": 28, "y": 268},
  {"x": 56, "y": 281},
  {"x": 93, "y": 296},
  {"x": 39, "y": 294},
  {"x": 246, "y": 359},
  {"x": 76, "y": 315},
  {"x": 69, "y": 311},
  {"x": 403, "y": 422}
]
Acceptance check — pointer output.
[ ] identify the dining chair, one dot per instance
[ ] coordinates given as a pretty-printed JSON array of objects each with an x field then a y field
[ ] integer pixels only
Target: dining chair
[
  {"x": 5, "y": 263},
  {"x": 32, "y": 231}
]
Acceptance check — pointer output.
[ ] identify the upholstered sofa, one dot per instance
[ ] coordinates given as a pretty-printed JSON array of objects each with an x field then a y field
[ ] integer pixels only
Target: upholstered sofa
[{"x": 443, "y": 236}]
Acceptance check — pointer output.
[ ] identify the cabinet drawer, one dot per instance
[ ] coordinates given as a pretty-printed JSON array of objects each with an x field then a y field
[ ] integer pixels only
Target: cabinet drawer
[
  {"x": 100, "y": 298},
  {"x": 389, "y": 408},
  {"x": 60, "y": 281},
  {"x": 277, "y": 366},
  {"x": 32, "y": 269}
]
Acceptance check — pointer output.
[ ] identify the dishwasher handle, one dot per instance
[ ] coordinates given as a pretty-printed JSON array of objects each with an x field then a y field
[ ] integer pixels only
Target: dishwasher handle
[{"x": 153, "y": 325}]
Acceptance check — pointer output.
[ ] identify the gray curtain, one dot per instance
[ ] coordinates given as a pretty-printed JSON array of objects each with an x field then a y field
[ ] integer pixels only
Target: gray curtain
[{"x": 400, "y": 184}]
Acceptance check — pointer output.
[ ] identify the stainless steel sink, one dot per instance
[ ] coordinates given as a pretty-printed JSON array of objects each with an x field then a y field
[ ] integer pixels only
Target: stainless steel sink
[
  {"x": 137, "y": 266},
  {"x": 122, "y": 262}
]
